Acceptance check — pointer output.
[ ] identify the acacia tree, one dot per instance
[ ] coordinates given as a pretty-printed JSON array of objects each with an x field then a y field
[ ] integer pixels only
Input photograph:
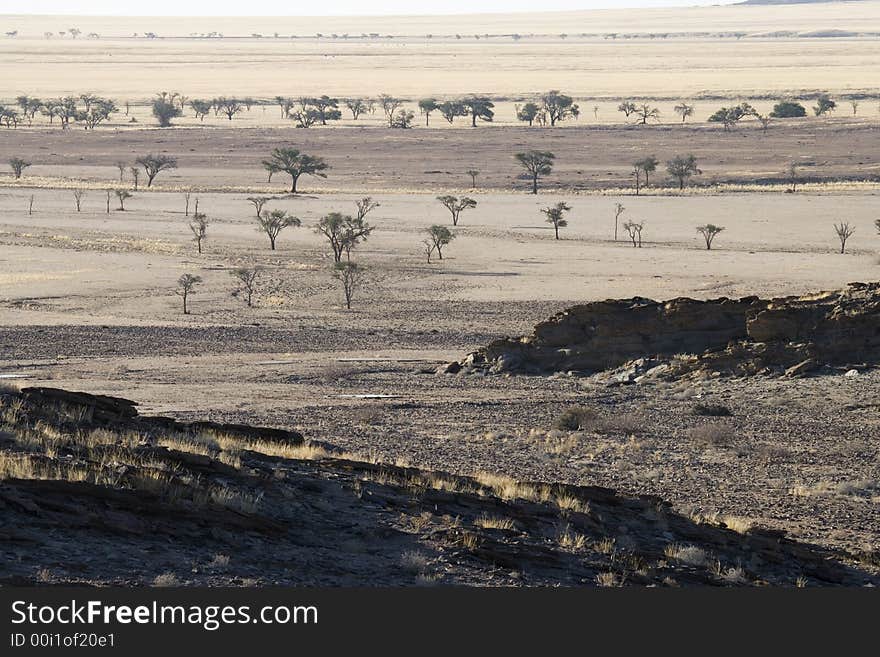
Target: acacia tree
[
  {"x": 528, "y": 113},
  {"x": 426, "y": 106},
  {"x": 259, "y": 202},
  {"x": 479, "y": 107},
  {"x": 536, "y": 164},
  {"x": 272, "y": 222},
  {"x": 473, "y": 173},
  {"x": 247, "y": 283},
  {"x": 438, "y": 237},
  {"x": 627, "y": 107},
  {"x": 365, "y": 206},
  {"x": 122, "y": 195},
  {"x": 793, "y": 176},
  {"x": 647, "y": 165},
  {"x": 121, "y": 166},
  {"x": 200, "y": 108},
  {"x": 558, "y": 106},
  {"x": 18, "y": 165},
  {"x": 682, "y": 168},
  {"x": 634, "y": 229},
  {"x": 618, "y": 210},
  {"x": 186, "y": 285},
  {"x": 78, "y": 195},
  {"x": 199, "y": 227},
  {"x": 730, "y": 116},
  {"x": 165, "y": 110},
  {"x": 456, "y": 205},
  {"x": 390, "y": 105},
  {"x": 295, "y": 164},
  {"x": 356, "y": 106},
  {"x": 684, "y": 110},
  {"x": 343, "y": 232},
  {"x": 844, "y": 232},
  {"x": 154, "y": 164},
  {"x": 229, "y": 106},
  {"x": 351, "y": 276},
  {"x": 645, "y": 112},
  {"x": 709, "y": 232},
  {"x": 824, "y": 104},
  {"x": 451, "y": 109},
  {"x": 555, "y": 216}
]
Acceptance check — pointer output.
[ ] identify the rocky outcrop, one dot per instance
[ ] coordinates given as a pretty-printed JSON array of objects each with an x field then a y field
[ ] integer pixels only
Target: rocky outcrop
[{"x": 741, "y": 336}]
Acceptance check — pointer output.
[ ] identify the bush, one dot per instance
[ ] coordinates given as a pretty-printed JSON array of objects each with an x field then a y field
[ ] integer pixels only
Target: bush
[
  {"x": 712, "y": 410},
  {"x": 787, "y": 109},
  {"x": 576, "y": 418}
]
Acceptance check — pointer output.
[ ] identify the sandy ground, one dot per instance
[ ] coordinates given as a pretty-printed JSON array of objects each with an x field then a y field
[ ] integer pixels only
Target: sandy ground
[{"x": 412, "y": 64}]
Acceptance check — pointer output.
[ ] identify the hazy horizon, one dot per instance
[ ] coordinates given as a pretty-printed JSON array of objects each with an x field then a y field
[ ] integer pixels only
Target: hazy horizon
[{"x": 335, "y": 8}]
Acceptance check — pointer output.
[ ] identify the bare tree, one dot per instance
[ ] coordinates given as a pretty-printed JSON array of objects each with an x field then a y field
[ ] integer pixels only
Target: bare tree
[
  {"x": 637, "y": 176},
  {"x": 78, "y": 195},
  {"x": 31, "y": 205},
  {"x": 438, "y": 237},
  {"x": 765, "y": 121},
  {"x": 855, "y": 106},
  {"x": 645, "y": 112},
  {"x": 259, "y": 202},
  {"x": 536, "y": 164},
  {"x": 473, "y": 173},
  {"x": 153, "y": 164},
  {"x": 351, "y": 276},
  {"x": 365, "y": 206},
  {"x": 121, "y": 166},
  {"x": 122, "y": 195},
  {"x": 793, "y": 176},
  {"x": 109, "y": 194},
  {"x": 634, "y": 229},
  {"x": 135, "y": 176},
  {"x": 199, "y": 227},
  {"x": 356, "y": 106},
  {"x": 456, "y": 205},
  {"x": 272, "y": 222},
  {"x": 186, "y": 285},
  {"x": 187, "y": 195},
  {"x": 555, "y": 216},
  {"x": 844, "y": 232},
  {"x": 390, "y": 105},
  {"x": 18, "y": 165},
  {"x": 627, "y": 107},
  {"x": 709, "y": 232},
  {"x": 618, "y": 210},
  {"x": 247, "y": 283},
  {"x": 229, "y": 106}
]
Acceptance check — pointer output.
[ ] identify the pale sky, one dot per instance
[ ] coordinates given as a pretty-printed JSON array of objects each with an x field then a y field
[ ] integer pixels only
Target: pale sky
[{"x": 322, "y": 8}]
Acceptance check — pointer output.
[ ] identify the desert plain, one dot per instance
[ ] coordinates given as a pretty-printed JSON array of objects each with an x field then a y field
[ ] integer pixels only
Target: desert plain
[{"x": 88, "y": 297}]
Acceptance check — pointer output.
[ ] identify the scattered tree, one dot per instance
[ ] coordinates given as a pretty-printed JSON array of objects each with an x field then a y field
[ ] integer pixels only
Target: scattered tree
[
  {"x": 536, "y": 164},
  {"x": 824, "y": 104},
  {"x": 403, "y": 119},
  {"x": 844, "y": 232},
  {"x": 122, "y": 196},
  {"x": 259, "y": 202},
  {"x": 473, "y": 173},
  {"x": 78, "y": 195},
  {"x": 456, "y": 205},
  {"x": 647, "y": 165},
  {"x": 356, "y": 106},
  {"x": 135, "y": 176},
  {"x": 154, "y": 164},
  {"x": 645, "y": 112},
  {"x": 558, "y": 107},
  {"x": 555, "y": 216},
  {"x": 109, "y": 194},
  {"x": 618, "y": 210},
  {"x": 31, "y": 205},
  {"x": 390, "y": 105},
  {"x": 627, "y": 107},
  {"x": 730, "y": 116},
  {"x": 18, "y": 165},
  {"x": 200, "y": 108},
  {"x": 788, "y": 109},
  {"x": 479, "y": 107},
  {"x": 186, "y": 285},
  {"x": 685, "y": 111},
  {"x": 364, "y": 207},
  {"x": 199, "y": 227},
  {"x": 438, "y": 237},
  {"x": 165, "y": 111},
  {"x": 272, "y": 222},
  {"x": 682, "y": 168},
  {"x": 634, "y": 229},
  {"x": 344, "y": 232},
  {"x": 229, "y": 106},
  {"x": 187, "y": 195},
  {"x": 451, "y": 109},
  {"x": 855, "y": 106},
  {"x": 121, "y": 166},
  {"x": 528, "y": 113},
  {"x": 426, "y": 106},
  {"x": 793, "y": 176},
  {"x": 351, "y": 276},
  {"x": 295, "y": 164},
  {"x": 709, "y": 232},
  {"x": 247, "y": 283}
]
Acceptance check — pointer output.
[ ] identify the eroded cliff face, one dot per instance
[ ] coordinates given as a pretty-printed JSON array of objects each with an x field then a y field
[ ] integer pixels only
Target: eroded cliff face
[{"x": 737, "y": 336}]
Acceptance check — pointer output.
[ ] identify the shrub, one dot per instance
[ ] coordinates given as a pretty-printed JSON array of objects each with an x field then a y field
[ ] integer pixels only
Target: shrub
[{"x": 576, "y": 418}]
